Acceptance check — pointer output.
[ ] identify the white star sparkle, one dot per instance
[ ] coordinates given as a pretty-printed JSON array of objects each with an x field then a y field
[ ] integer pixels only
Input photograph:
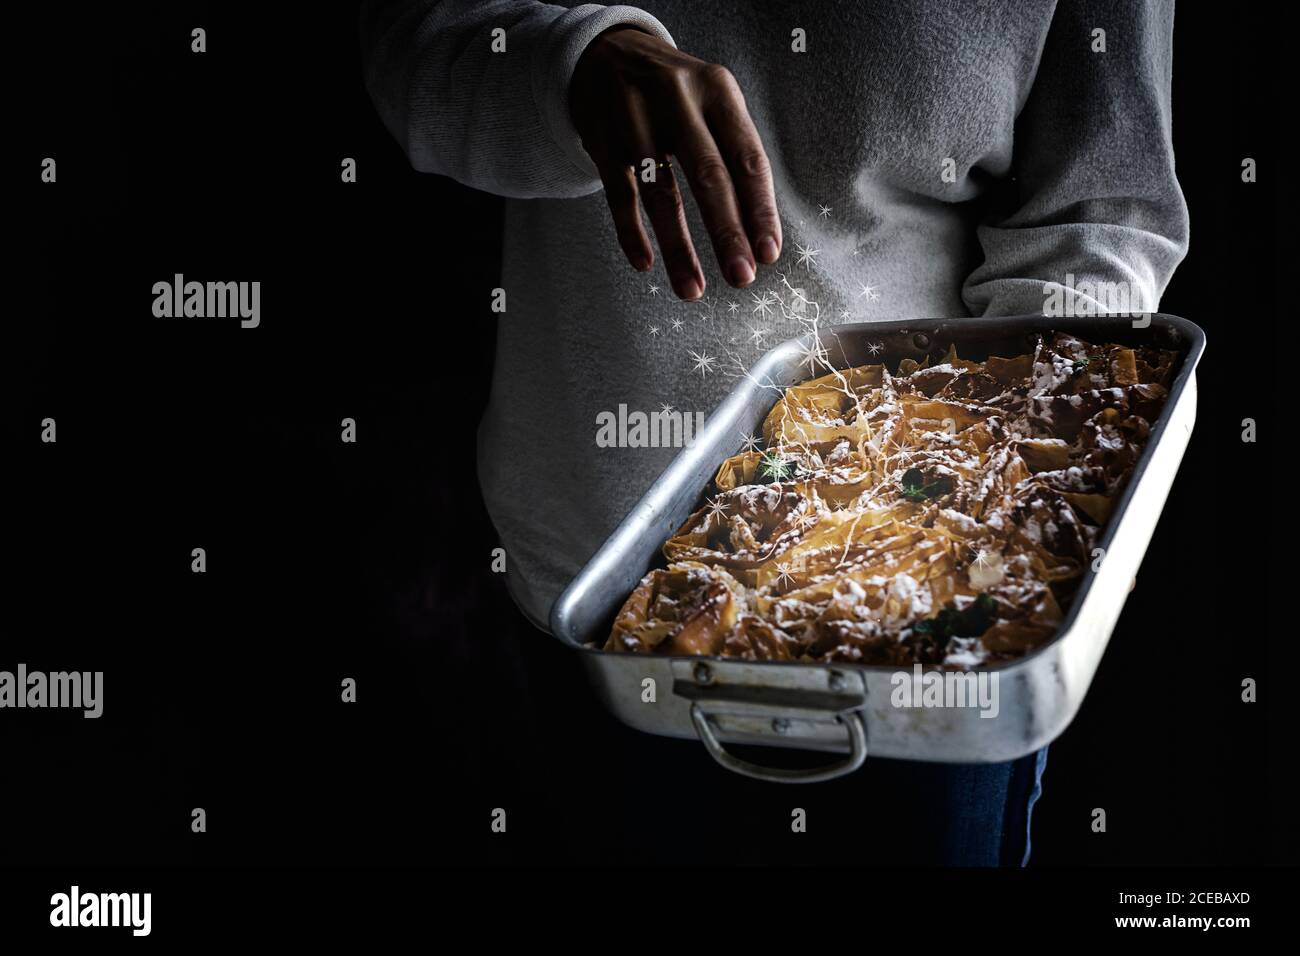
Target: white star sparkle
[
  {"x": 717, "y": 510},
  {"x": 825, "y": 211},
  {"x": 654, "y": 289},
  {"x": 677, "y": 324},
  {"x": 703, "y": 362},
  {"x": 750, "y": 442},
  {"x": 654, "y": 330},
  {"x": 763, "y": 303},
  {"x": 807, "y": 257},
  {"x": 813, "y": 354}
]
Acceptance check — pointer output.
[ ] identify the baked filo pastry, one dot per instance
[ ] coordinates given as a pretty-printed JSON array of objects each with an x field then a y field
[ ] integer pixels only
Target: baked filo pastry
[{"x": 941, "y": 514}]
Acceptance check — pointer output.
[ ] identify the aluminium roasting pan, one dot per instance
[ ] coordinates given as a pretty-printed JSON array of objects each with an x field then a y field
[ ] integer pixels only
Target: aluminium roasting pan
[{"x": 846, "y": 708}]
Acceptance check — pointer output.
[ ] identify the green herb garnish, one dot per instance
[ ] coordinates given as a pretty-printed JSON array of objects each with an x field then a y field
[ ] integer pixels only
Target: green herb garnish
[
  {"x": 916, "y": 488},
  {"x": 775, "y": 468},
  {"x": 977, "y": 618}
]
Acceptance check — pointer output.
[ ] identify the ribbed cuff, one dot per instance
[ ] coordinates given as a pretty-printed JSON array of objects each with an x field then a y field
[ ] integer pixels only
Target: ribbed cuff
[{"x": 558, "y": 55}]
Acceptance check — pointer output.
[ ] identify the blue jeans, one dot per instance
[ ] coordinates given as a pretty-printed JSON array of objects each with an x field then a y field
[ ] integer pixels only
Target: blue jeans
[
  {"x": 989, "y": 810},
  {"x": 933, "y": 814},
  {"x": 889, "y": 813}
]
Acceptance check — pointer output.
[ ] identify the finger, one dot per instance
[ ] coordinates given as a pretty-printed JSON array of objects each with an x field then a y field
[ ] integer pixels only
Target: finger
[
  {"x": 620, "y": 194},
  {"x": 751, "y": 173},
  {"x": 663, "y": 204},
  {"x": 710, "y": 181}
]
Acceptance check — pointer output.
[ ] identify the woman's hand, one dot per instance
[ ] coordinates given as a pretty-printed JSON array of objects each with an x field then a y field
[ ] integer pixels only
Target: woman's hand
[{"x": 634, "y": 97}]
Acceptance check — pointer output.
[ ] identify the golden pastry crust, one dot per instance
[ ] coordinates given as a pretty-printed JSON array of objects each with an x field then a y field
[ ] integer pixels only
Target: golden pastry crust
[{"x": 942, "y": 514}]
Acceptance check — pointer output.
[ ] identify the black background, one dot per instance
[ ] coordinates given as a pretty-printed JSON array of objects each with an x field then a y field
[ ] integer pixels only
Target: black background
[{"x": 370, "y": 561}]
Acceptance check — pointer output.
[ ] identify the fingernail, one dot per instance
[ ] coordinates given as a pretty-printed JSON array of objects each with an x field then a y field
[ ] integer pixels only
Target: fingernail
[
  {"x": 767, "y": 250},
  {"x": 691, "y": 289},
  {"x": 742, "y": 273},
  {"x": 640, "y": 265}
]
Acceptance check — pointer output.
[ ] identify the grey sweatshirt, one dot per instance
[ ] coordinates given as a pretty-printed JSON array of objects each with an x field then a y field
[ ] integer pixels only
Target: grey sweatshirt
[{"x": 937, "y": 158}]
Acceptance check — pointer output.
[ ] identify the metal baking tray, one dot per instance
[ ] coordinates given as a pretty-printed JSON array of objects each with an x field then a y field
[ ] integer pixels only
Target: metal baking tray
[{"x": 847, "y": 708}]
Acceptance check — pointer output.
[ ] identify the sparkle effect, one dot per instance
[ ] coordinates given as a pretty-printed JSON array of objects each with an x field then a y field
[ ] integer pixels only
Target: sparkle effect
[
  {"x": 731, "y": 350},
  {"x": 703, "y": 362},
  {"x": 807, "y": 257},
  {"x": 716, "y": 510},
  {"x": 812, "y": 353}
]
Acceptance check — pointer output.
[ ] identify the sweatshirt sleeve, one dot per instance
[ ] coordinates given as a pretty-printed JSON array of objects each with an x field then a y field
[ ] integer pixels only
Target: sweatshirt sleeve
[
  {"x": 1095, "y": 195},
  {"x": 496, "y": 121}
]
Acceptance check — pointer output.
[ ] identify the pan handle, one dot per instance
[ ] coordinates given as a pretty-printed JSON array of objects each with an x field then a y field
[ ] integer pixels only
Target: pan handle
[{"x": 857, "y": 741}]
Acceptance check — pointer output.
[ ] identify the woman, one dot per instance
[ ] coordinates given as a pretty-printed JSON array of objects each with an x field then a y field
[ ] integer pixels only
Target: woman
[{"x": 888, "y": 160}]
